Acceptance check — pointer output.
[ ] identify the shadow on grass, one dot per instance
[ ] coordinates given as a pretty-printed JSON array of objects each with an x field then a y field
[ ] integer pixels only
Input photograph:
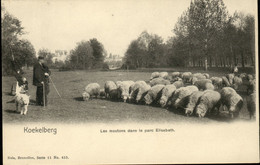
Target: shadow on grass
[
  {"x": 12, "y": 111},
  {"x": 222, "y": 117},
  {"x": 8, "y": 93},
  {"x": 78, "y": 98},
  {"x": 11, "y": 101},
  {"x": 81, "y": 99}
]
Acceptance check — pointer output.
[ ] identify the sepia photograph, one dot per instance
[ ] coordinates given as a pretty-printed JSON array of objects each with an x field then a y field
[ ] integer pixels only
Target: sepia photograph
[{"x": 130, "y": 81}]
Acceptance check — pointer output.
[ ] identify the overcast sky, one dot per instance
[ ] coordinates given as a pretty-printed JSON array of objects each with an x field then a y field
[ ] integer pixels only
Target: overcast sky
[{"x": 61, "y": 24}]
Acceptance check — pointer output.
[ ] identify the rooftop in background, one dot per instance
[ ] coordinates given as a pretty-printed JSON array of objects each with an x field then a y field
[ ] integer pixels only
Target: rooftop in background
[
  {"x": 60, "y": 55},
  {"x": 113, "y": 58}
]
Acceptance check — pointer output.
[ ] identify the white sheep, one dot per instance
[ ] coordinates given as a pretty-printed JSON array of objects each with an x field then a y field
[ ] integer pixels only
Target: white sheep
[
  {"x": 159, "y": 80},
  {"x": 206, "y": 75},
  {"x": 193, "y": 100},
  {"x": 237, "y": 82},
  {"x": 154, "y": 94},
  {"x": 142, "y": 91},
  {"x": 209, "y": 101},
  {"x": 124, "y": 89},
  {"x": 154, "y": 75},
  {"x": 202, "y": 84},
  {"x": 163, "y": 75},
  {"x": 231, "y": 100},
  {"x": 178, "y": 84},
  {"x": 230, "y": 78},
  {"x": 111, "y": 90},
  {"x": 225, "y": 82},
  {"x": 167, "y": 93},
  {"x": 118, "y": 83},
  {"x": 180, "y": 96},
  {"x": 186, "y": 76},
  {"x": 175, "y": 74},
  {"x": 217, "y": 82},
  {"x": 92, "y": 89},
  {"x": 134, "y": 89},
  {"x": 199, "y": 76}
]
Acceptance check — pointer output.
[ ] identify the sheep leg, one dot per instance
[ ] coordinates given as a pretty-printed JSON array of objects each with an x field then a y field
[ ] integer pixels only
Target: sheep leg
[{"x": 25, "y": 109}]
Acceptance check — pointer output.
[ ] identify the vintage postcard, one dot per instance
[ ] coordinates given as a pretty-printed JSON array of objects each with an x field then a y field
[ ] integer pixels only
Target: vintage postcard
[{"x": 130, "y": 81}]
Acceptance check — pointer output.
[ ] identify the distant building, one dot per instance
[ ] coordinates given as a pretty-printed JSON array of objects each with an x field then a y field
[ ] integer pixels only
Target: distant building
[
  {"x": 60, "y": 55},
  {"x": 114, "y": 61},
  {"x": 113, "y": 58}
]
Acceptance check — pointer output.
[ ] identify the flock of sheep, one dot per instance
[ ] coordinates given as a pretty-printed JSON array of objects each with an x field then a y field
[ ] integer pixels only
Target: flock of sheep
[{"x": 192, "y": 94}]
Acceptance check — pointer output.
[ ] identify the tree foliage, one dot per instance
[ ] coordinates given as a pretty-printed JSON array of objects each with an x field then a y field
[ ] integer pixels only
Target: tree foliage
[
  {"x": 14, "y": 50},
  {"x": 87, "y": 55},
  {"x": 48, "y": 56},
  {"x": 205, "y": 35}
]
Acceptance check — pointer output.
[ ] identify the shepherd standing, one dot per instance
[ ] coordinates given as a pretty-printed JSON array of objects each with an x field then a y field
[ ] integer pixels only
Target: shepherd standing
[{"x": 41, "y": 75}]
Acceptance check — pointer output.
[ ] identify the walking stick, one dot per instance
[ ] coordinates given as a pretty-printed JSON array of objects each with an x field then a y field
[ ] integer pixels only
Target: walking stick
[
  {"x": 54, "y": 86},
  {"x": 43, "y": 94}
]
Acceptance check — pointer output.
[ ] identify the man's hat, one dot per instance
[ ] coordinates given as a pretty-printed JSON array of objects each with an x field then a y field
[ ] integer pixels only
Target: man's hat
[{"x": 40, "y": 58}]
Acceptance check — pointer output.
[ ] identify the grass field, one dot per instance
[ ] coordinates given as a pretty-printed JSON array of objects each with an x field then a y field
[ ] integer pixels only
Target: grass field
[{"x": 71, "y": 108}]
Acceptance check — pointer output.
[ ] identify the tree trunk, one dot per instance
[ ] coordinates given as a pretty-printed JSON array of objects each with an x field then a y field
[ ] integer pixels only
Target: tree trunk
[
  {"x": 210, "y": 61},
  {"x": 242, "y": 59},
  {"x": 233, "y": 54},
  {"x": 216, "y": 61},
  {"x": 206, "y": 64}
]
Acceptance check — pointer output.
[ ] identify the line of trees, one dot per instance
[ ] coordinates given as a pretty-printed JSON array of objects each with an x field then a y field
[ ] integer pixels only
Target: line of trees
[
  {"x": 86, "y": 55},
  {"x": 205, "y": 35},
  {"x": 14, "y": 50}
]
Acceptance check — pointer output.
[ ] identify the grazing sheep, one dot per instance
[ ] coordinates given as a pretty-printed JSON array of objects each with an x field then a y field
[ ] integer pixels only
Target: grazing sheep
[
  {"x": 230, "y": 78},
  {"x": 124, "y": 89},
  {"x": 92, "y": 89},
  {"x": 242, "y": 75},
  {"x": 206, "y": 75},
  {"x": 193, "y": 100},
  {"x": 154, "y": 94},
  {"x": 209, "y": 86},
  {"x": 225, "y": 82},
  {"x": 142, "y": 91},
  {"x": 251, "y": 104},
  {"x": 186, "y": 76},
  {"x": 163, "y": 75},
  {"x": 201, "y": 84},
  {"x": 175, "y": 79},
  {"x": 134, "y": 88},
  {"x": 118, "y": 83},
  {"x": 102, "y": 93},
  {"x": 159, "y": 80},
  {"x": 178, "y": 84},
  {"x": 237, "y": 82},
  {"x": 251, "y": 88},
  {"x": 231, "y": 100},
  {"x": 111, "y": 90},
  {"x": 217, "y": 82},
  {"x": 175, "y": 74},
  {"x": 167, "y": 93},
  {"x": 22, "y": 101},
  {"x": 180, "y": 97},
  {"x": 154, "y": 75},
  {"x": 250, "y": 77},
  {"x": 193, "y": 80},
  {"x": 199, "y": 76},
  {"x": 209, "y": 101}
]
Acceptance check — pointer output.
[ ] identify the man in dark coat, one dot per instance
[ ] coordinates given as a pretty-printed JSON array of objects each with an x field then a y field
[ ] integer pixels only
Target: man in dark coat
[{"x": 41, "y": 75}]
